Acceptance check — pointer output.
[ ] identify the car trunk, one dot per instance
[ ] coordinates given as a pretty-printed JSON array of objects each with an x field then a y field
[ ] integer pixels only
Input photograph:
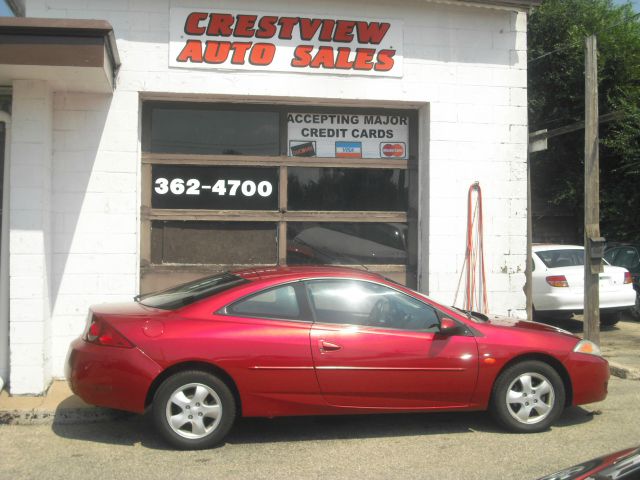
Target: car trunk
[{"x": 611, "y": 279}]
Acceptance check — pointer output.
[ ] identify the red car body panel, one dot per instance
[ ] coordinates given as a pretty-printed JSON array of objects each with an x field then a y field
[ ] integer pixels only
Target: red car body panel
[{"x": 284, "y": 367}]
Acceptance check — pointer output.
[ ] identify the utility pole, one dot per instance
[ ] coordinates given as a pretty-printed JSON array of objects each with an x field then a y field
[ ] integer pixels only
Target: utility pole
[{"x": 593, "y": 243}]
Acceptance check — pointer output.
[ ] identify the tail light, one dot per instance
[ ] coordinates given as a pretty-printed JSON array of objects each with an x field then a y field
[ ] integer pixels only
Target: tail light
[
  {"x": 627, "y": 277},
  {"x": 557, "y": 281},
  {"x": 100, "y": 332}
]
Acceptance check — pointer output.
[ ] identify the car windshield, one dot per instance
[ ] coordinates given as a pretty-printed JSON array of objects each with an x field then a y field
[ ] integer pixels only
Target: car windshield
[
  {"x": 187, "y": 293},
  {"x": 562, "y": 258}
]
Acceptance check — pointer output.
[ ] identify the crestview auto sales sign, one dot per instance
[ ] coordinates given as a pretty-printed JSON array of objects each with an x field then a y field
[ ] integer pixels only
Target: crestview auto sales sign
[{"x": 206, "y": 38}]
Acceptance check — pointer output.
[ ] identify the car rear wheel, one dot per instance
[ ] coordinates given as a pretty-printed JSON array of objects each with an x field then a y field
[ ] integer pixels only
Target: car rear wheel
[
  {"x": 528, "y": 397},
  {"x": 193, "y": 410}
]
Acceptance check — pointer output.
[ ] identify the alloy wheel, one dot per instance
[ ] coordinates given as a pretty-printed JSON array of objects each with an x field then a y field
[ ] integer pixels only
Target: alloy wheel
[
  {"x": 530, "y": 398},
  {"x": 194, "y": 410}
]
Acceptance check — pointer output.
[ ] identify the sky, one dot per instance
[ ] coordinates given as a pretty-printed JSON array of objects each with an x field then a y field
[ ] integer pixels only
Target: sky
[
  {"x": 4, "y": 10},
  {"x": 636, "y": 4}
]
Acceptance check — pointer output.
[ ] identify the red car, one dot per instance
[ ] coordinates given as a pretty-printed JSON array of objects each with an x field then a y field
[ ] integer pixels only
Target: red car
[{"x": 321, "y": 341}]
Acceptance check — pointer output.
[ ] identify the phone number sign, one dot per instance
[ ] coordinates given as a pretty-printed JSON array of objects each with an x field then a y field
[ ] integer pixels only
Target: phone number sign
[{"x": 214, "y": 188}]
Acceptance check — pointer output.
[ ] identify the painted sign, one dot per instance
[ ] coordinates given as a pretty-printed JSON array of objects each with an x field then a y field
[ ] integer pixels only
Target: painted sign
[
  {"x": 214, "y": 188},
  {"x": 347, "y": 135},
  {"x": 207, "y": 38}
]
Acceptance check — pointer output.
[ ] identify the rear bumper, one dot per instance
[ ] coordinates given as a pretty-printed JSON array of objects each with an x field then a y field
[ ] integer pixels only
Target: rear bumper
[
  {"x": 589, "y": 377},
  {"x": 568, "y": 301},
  {"x": 110, "y": 377}
]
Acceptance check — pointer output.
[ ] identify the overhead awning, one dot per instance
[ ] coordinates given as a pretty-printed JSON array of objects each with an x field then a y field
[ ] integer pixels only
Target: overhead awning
[{"x": 72, "y": 55}]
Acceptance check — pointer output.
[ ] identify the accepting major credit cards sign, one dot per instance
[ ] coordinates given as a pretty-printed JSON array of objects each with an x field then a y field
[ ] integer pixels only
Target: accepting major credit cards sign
[{"x": 348, "y": 135}]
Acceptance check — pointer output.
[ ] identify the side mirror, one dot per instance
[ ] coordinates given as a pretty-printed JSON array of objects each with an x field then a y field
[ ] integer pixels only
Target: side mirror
[{"x": 449, "y": 327}]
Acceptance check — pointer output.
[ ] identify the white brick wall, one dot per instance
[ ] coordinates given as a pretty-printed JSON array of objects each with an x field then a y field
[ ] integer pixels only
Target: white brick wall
[
  {"x": 465, "y": 67},
  {"x": 30, "y": 237}
]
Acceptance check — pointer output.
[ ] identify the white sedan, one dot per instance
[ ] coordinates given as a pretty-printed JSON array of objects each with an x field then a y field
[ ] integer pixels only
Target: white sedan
[{"x": 558, "y": 284}]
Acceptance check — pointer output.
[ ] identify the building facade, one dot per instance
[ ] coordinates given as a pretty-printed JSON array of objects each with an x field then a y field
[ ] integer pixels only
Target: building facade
[{"x": 175, "y": 138}]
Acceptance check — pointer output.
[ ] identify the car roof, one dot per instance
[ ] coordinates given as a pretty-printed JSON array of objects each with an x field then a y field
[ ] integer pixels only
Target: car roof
[
  {"x": 541, "y": 247},
  {"x": 307, "y": 271}
]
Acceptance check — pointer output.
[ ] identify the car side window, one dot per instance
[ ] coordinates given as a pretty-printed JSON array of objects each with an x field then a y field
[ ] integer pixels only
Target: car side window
[
  {"x": 279, "y": 302},
  {"x": 610, "y": 255},
  {"x": 628, "y": 258},
  {"x": 353, "y": 302}
]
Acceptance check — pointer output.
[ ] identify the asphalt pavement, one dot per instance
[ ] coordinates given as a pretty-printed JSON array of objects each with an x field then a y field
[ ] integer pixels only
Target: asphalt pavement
[{"x": 418, "y": 446}]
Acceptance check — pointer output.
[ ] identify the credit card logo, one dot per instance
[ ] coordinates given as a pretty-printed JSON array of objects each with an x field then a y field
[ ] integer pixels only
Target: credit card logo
[
  {"x": 302, "y": 149},
  {"x": 392, "y": 150},
  {"x": 349, "y": 149}
]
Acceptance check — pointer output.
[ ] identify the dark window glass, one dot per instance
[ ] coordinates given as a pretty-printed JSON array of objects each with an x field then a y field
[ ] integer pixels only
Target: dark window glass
[
  {"x": 628, "y": 258},
  {"x": 362, "y": 303},
  {"x": 187, "y": 293},
  {"x": 609, "y": 255},
  {"x": 348, "y": 189},
  {"x": 280, "y": 302},
  {"x": 206, "y": 131},
  {"x": 222, "y": 243},
  {"x": 346, "y": 243},
  {"x": 562, "y": 258}
]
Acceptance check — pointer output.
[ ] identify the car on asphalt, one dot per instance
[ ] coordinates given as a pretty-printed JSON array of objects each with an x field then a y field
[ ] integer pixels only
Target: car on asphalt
[
  {"x": 621, "y": 465},
  {"x": 627, "y": 255},
  {"x": 558, "y": 284},
  {"x": 288, "y": 341}
]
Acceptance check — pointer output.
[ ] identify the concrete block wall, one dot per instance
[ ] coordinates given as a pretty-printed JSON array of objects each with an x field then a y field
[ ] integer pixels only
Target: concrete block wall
[
  {"x": 30, "y": 328},
  {"x": 94, "y": 207},
  {"x": 464, "y": 68}
]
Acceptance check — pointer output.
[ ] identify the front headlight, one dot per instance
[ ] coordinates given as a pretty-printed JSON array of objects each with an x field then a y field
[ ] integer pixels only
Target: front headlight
[{"x": 588, "y": 347}]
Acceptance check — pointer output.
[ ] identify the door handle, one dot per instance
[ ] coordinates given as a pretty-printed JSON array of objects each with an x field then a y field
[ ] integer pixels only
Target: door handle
[{"x": 328, "y": 346}]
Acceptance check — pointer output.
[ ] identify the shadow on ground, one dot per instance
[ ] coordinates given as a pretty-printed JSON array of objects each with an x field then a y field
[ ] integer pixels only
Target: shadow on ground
[{"x": 138, "y": 429}]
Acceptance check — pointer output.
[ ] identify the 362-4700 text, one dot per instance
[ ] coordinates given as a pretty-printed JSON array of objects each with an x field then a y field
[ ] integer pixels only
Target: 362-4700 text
[{"x": 192, "y": 186}]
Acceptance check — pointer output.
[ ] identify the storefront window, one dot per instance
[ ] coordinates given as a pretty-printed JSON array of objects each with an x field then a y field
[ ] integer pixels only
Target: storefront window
[
  {"x": 233, "y": 186},
  {"x": 347, "y": 189},
  {"x": 214, "y": 243},
  {"x": 207, "y": 131},
  {"x": 347, "y": 243}
]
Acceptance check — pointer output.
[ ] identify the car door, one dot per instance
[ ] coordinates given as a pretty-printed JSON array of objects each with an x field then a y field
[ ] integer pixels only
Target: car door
[
  {"x": 268, "y": 350},
  {"x": 374, "y": 346}
]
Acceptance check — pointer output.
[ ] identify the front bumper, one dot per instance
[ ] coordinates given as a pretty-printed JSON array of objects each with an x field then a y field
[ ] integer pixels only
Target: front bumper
[
  {"x": 110, "y": 377},
  {"x": 589, "y": 377}
]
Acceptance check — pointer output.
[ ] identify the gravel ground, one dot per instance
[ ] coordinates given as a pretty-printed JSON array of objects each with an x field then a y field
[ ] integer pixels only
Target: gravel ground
[{"x": 425, "y": 446}]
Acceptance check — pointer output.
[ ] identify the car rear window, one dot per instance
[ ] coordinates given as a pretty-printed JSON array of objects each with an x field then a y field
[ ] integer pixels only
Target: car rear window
[
  {"x": 188, "y": 293},
  {"x": 562, "y": 258}
]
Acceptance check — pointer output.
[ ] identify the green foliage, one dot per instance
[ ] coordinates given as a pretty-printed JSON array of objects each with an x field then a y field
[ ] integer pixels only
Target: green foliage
[{"x": 556, "y": 98}]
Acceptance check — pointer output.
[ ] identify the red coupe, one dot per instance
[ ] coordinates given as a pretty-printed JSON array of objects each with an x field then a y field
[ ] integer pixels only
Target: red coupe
[{"x": 321, "y": 340}]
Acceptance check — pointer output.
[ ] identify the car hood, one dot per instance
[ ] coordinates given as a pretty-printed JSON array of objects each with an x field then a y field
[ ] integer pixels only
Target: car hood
[{"x": 500, "y": 321}]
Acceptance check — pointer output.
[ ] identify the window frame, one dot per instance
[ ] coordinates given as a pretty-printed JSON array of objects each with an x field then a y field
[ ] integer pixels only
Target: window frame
[
  {"x": 439, "y": 314},
  {"x": 305, "y": 315},
  {"x": 282, "y": 216}
]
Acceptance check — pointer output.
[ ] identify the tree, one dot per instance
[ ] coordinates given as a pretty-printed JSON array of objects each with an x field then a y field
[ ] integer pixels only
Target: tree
[{"x": 556, "y": 97}]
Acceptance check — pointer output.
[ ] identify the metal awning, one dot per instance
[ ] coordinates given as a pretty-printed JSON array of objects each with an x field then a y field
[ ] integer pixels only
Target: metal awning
[{"x": 72, "y": 55}]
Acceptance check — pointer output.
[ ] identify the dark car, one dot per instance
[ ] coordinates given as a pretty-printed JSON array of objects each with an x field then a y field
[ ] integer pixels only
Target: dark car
[
  {"x": 627, "y": 256},
  {"x": 622, "y": 465}
]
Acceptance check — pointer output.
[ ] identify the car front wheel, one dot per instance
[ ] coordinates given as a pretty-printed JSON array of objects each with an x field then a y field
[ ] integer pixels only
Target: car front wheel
[
  {"x": 528, "y": 397},
  {"x": 193, "y": 410}
]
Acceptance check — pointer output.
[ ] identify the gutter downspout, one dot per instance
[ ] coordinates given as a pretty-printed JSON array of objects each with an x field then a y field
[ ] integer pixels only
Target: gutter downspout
[{"x": 4, "y": 256}]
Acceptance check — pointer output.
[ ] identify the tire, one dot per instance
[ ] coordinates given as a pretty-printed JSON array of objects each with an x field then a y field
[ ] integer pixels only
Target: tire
[
  {"x": 635, "y": 310},
  {"x": 203, "y": 408},
  {"x": 525, "y": 413},
  {"x": 609, "y": 319}
]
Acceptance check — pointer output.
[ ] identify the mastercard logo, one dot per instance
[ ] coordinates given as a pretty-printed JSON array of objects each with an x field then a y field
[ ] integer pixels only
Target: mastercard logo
[{"x": 392, "y": 150}]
